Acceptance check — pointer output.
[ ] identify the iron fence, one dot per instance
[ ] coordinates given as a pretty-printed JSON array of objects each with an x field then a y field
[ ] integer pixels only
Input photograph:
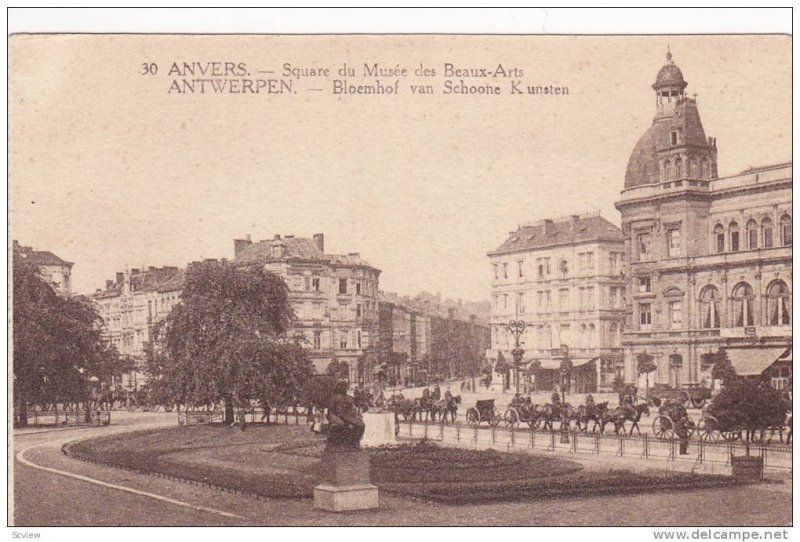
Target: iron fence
[
  {"x": 640, "y": 446},
  {"x": 55, "y": 417}
]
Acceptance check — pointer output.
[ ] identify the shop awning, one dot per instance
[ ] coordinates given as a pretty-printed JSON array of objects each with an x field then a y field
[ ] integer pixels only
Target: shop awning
[{"x": 753, "y": 361}]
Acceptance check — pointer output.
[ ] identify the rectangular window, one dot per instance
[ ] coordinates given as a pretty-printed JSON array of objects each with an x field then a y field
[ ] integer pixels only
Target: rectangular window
[
  {"x": 590, "y": 298},
  {"x": 358, "y": 310},
  {"x": 547, "y": 265},
  {"x": 307, "y": 283},
  {"x": 547, "y": 301},
  {"x": 342, "y": 286},
  {"x": 505, "y": 270},
  {"x": 734, "y": 241},
  {"x": 590, "y": 261},
  {"x": 563, "y": 300},
  {"x": 315, "y": 284},
  {"x": 496, "y": 301},
  {"x": 317, "y": 340},
  {"x": 358, "y": 338},
  {"x": 582, "y": 299},
  {"x": 540, "y": 267},
  {"x": 358, "y": 287},
  {"x": 643, "y": 243},
  {"x": 675, "y": 314},
  {"x": 644, "y": 285},
  {"x": 540, "y": 300},
  {"x": 519, "y": 268},
  {"x": 720, "y": 243},
  {"x": 673, "y": 242},
  {"x": 521, "y": 303},
  {"x": 496, "y": 276},
  {"x": 645, "y": 316},
  {"x": 505, "y": 301},
  {"x": 343, "y": 339}
]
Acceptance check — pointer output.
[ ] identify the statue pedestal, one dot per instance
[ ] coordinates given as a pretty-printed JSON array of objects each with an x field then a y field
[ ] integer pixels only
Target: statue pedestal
[{"x": 346, "y": 484}]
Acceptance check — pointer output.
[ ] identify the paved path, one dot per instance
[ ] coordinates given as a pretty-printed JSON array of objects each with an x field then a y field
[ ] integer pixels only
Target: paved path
[{"x": 52, "y": 489}]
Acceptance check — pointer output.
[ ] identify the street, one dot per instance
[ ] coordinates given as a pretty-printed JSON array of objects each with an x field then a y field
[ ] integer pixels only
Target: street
[{"x": 52, "y": 489}]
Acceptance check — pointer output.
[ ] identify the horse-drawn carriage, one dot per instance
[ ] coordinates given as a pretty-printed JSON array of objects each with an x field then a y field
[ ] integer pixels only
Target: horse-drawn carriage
[
  {"x": 483, "y": 411},
  {"x": 672, "y": 416},
  {"x": 690, "y": 394}
]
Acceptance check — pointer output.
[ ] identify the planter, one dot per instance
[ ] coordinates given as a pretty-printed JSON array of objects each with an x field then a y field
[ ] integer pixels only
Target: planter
[{"x": 747, "y": 467}]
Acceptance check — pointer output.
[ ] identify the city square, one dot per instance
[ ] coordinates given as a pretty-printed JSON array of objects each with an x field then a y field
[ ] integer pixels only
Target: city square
[{"x": 624, "y": 364}]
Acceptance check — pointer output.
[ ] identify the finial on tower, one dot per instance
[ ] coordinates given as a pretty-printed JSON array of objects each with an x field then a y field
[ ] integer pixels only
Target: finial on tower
[{"x": 669, "y": 54}]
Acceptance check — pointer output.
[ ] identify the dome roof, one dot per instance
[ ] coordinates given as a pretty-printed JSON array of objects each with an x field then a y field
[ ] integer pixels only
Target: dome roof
[
  {"x": 643, "y": 163},
  {"x": 669, "y": 75}
]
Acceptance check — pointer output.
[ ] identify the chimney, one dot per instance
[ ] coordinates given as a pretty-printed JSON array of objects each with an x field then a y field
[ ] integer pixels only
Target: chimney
[
  {"x": 277, "y": 237},
  {"x": 120, "y": 277},
  {"x": 152, "y": 268},
  {"x": 135, "y": 271},
  {"x": 109, "y": 284},
  {"x": 354, "y": 254},
  {"x": 241, "y": 244},
  {"x": 548, "y": 226},
  {"x": 288, "y": 236},
  {"x": 319, "y": 241}
]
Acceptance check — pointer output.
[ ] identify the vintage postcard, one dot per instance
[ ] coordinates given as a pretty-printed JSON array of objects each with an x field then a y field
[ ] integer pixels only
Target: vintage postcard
[{"x": 401, "y": 280}]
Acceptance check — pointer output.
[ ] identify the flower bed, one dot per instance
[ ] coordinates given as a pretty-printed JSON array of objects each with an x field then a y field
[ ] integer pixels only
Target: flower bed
[{"x": 282, "y": 462}]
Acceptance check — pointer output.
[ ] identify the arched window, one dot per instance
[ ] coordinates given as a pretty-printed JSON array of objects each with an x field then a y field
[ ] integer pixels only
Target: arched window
[
  {"x": 786, "y": 230},
  {"x": 733, "y": 235},
  {"x": 591, "y": 335},
  {"x": 678, "y": 168},
  {"x": 667, "y": 170},
  {"x": 742, "y": 304},
  {"x": 582, "y": 339},
  {"x": 709, "y": 308},
  {"x": 752, "y": 234},
  {"x": 693, "y": 168},
  {"x": 563, "y": 268},
  {"x": 719, "y": 238},
  {"x": 779, "y": 304},
  {"x": 766, "y": 233}
]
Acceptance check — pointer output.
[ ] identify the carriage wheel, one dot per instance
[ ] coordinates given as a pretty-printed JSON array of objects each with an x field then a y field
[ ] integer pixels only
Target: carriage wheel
[
  {"x": 473, "y": 417},
  {"x": 686, "y": 398},
  {"x": 168, "y": 408},
  {"x": 535, "y": 423},
  {"x": 707, "y": 428},
  {"x": 699, "y": 403},
  {"x": 511, "y": 417},
  {"x": 663, "y": 428}
]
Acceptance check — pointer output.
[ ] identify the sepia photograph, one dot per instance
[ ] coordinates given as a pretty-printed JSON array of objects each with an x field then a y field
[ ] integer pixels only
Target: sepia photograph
[{"x": 400, "y": 279}]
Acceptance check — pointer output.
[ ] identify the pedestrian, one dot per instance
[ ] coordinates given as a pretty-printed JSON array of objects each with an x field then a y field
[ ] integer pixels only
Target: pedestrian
[
  {"x": 437, "y": 393},
  {"x": 683, "y": 435}
]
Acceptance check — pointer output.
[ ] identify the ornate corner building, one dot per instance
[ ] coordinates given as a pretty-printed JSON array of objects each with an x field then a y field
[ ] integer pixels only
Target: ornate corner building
[{"x": 709, "y": 259}]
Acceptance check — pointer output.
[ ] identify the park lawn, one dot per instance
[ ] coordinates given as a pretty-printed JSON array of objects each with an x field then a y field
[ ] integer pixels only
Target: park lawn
[{"x": 284, "y": 462}]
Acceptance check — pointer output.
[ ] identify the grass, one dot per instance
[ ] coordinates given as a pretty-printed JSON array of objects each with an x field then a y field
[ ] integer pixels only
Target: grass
[{"x": 284, "y": 462}]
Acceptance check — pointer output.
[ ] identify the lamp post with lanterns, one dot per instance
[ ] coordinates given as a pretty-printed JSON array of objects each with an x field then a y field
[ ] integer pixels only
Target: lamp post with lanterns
[{"x": 517, "y": 328}]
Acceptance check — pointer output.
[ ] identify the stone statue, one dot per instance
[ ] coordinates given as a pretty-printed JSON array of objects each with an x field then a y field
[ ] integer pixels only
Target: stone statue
[{"x": 346, "y": 424}]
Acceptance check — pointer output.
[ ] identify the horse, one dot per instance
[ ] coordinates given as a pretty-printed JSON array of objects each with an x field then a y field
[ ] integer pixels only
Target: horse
[
  {"x": 594, "y": 413},
  {"x": 553, "y": 412},
  {"x": 424, "y": 405},
  {"x": 446, "y": 406},
  {"x": 624, "y": 413}
]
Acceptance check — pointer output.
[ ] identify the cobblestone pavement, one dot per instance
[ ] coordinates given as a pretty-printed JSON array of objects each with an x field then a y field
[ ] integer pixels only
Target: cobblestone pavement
[{"x": 46, "y": 497}]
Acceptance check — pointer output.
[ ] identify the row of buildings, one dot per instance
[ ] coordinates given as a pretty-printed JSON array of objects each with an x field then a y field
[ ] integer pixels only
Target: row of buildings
[
  {"x": 339, "y": 310},
  {"x": 701, "y": 264}
]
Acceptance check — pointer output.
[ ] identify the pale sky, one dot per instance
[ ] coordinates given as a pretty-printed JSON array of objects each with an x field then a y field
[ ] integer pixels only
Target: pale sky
[{"x": 107, "y": 169}]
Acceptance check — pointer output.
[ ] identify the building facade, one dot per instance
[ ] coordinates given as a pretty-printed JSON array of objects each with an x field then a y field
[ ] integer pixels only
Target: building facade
[
  {"x": 709, "y": 259},
  {"x": 424, "y": 344},
  {"x": 55, "y": 271},
  {"x": 131, "y": 305},
  {"x": 334, "y": 297},
  {"x": 564, "y": 279}
]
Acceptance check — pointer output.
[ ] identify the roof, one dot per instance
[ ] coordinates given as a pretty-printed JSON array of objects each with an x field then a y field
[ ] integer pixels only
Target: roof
[
  {"x": 40, "y": 257},
  {"x": 295, "y": 248},
  {"x": 165, "y": 279},
  {"x": 550, "y": 233},
  {"x": 669, "y": 75},
  {"x": 753, "y": 361},
  {"x": 643, "y": 163}
]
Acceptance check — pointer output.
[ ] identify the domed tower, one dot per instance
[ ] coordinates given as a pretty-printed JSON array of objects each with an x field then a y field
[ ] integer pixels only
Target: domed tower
[
  {"x": 675, "y": 147},
  {"x": 665, "y": 205}
]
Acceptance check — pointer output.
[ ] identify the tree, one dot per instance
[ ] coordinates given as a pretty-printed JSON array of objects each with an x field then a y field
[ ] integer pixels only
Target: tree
[
  {"x": 57, "y": 343},
  {"x": 723, "y": 368},
  {"x": 743, "y": 403},
  {"x": 644, "y": 366},
  {"x": 226, "y": 341}
]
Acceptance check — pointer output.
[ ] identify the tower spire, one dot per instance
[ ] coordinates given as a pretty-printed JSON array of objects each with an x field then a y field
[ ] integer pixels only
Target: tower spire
[{"x": 669, "y": 54}]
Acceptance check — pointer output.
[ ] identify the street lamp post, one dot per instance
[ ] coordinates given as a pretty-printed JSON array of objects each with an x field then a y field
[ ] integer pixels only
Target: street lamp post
[{"x": 517, "y": 328}]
